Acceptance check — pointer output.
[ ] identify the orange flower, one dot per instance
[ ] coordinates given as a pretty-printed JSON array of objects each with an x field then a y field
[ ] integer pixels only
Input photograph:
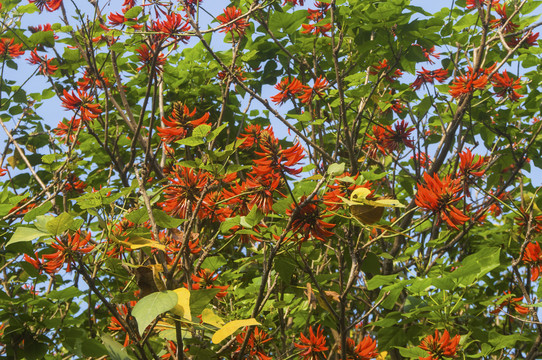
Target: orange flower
[
  {"x": 511, "y": 302},
  {"x": 439, "y": 196},
  {"x": 52, "y": 263},
  {"x": 287, "y": 89},
  {"x": 150, "y": 59},
  {"x": 7, "y": 48},
  {"x": 429, "y": 77},
  {"x": 364, "y": 350},
  {"x": 307, "y": 220},
  {"x": 533, "y": 257},
  {"x": 45, "y": 64},
  {"x": 468, "y": 83},
  {"x": 313, "y": 347},
  {"x": 440, "y": 346},
  {"x": 179, "y": 124},
  {"x": 49, "y": 5},
  {"x": 232, "y": 17},
  {"x": 318, "y": 87},
  {"x": 506, "y": 87},
  {"x": 255, "y": 344},
  {"x": 82, "y": 104},
  {"x": 206, "y": 280},
  {"x": 384, "y": 67},
  {"x": 184, "y": 191}
]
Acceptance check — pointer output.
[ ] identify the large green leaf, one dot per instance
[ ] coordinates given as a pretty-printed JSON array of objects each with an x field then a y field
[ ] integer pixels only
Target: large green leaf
[{"x": 148, "y": 308}]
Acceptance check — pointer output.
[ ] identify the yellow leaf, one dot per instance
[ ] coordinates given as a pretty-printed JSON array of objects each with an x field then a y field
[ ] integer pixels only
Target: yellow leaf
[
  {"x": 137, "y": 242},
  {"x": 183, "y": 304},
  {"x": 382, "y": 355},
  {"x": 368, "y": 211},
  {"x": 209, "y": 317},
  {"x": 232, "y": 327}
]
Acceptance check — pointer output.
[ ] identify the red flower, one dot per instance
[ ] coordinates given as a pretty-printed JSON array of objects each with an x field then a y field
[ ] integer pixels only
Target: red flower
[
  {"x": 172, "y": 26},
  {"x": 206, "y": 280},
  {"x": 233, "y": 21},
  {"x": 439, "y": 196},
  {"x": 49, "y": 5},
  {"x": 184, "y": 191},
  {"x": 505, "y": 86},
  {"x": 533, "y": 257},
  {"x": 251, "y": 136},
  {"x": 41, "y": 28},
  {"x": 294, "y": 2},
  {"x": 527, "y": 43},
  {"x": 469, "y": 166},
  {"x": 440, "y": 346},
  {"x": 384, "y": 67},
  {"x": 534, "y": 221},
  {"x": 511, "y": 302},
  {"x": 150, "y": 59},
  {"x": 364, "y": 350},
  {"x": 7, "y": 48},
  {"x": 386, "y": 139},
  {"x": 307, "y": 220},
  {"x": 66, "y": 248},
  {"x": 179, "y": 124},
  {"x": 90, "y": 81},
  {"x": 313, "y": 347},
  {"x": 45, "y": 64},
  {"x": 273, "y": 158},
  {"x": 316, "y": 16},
  {"x": 318, "y": 87},
  {"x": 287, "y": 90},
  {"x": 81, "y": 104},
  {"x": 67, "y": 132},
  {"x": 501, "y": 11},
  {"x": 343, "y": 186},
  {"x": 261, "y": 189},
  {"x": 429, "y": 76},
  {"x": 255, "y": 344},
  {"x": 468, "y": 83}
]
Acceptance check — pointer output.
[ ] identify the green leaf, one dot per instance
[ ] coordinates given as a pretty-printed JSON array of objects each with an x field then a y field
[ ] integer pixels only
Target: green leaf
[
  {"x": 115, "y": 350},
  {"x": 65, "y": 294},
  {"x": 336, "y": 169},
  {"x": 40, "y": 210},
  {"x": 252, "y": 219},
  {"x": 94, "y": 199},
  {"x": 213, "y": 134},
  {"x": 59, "y": 224},
  {"x": 148, "y": 308},
  {"x": 23, "y": 234},
  {"x": 191, "y": 141},
  {"x": 380, "y": 280},
  {"x": 201, "y": 131},
  {"x": 165, "y": 221},
  {"x": 413, "y": 352},
  {"x": 138, "y": 216},
  {"x": 200, "y": 299},
  {"x": 133, "y": 12}
]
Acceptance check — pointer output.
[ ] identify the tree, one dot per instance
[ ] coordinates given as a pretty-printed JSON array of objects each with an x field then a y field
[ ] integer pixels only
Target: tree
[{"x": 340, "y": 180}]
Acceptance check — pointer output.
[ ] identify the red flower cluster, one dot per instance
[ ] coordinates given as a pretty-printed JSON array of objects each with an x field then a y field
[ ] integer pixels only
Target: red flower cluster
[
  {"x": 340, "y": 188},
  {"x": 255, "y": 344},
  {"x": 312, "y": 348},
  {"x": 41, "y": 28},
  {"x": 66, "y": 249},
  {"x": 171, "y": 27},
  {"x": 389, "y": 74},
  {"x": 45, "y": 66},
  {"x": 273, "y": 158},
  {"x": 439, "y": 346},
  {"x": 232, "y": 21},
  {"x": 471, "y": 81},
  {"x": 319, "y": 86},
  {"x": 287, "y": 90},
  {"x": 317, "y": 15},
  {"x": 387, "y": 139},
  {"x": 503, "y": 20},
  {"x": 439, "y": 196},
  {"x": 429, "y": 77},
  {"x": 82, "y": 104},
  {"x": 49, "y": 5},
  {"x": 8, "y": 48},
  {"x": 150, "y": 59},
  {"x": 206, "y": 280},
  {"x": 364, "y": 350},
  {"x": 470, "y": 166},
  {"x": 533, "y": 257},
  {"x": 184, "y": 191},
  {"x": 307, "y": 220},
  {"x": 506, "y": 87},
  {"x": 180, "y": 124},
  {"x": 511, "y": 303}
]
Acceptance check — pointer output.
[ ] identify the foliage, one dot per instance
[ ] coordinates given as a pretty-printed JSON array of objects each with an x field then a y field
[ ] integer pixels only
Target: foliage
[{"x": 348, "y": 179}]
